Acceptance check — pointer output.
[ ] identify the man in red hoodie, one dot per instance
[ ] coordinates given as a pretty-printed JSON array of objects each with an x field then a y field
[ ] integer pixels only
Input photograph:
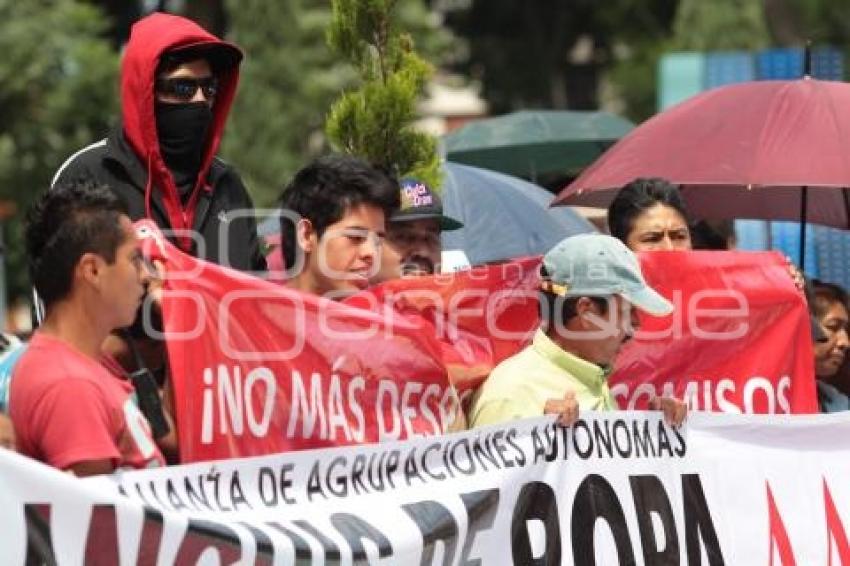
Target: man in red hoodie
[{"x": 177, "y": 86}]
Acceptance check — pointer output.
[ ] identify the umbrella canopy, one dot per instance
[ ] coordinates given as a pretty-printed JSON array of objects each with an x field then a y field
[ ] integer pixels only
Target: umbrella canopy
[
  {"x": 749, "y": 150},
  {"x": 503, "y": 216},
  {"x": 535, "y": 142}
]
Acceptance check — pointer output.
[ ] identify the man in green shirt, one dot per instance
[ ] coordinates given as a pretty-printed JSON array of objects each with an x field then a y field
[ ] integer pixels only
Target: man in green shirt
[{"x": 590, "y": 292}]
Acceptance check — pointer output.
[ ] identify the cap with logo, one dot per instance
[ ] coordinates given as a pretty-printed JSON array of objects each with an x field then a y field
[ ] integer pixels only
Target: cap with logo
[
  {"x": 419, "y": 202},
  {"x": 596, "y": 265}
]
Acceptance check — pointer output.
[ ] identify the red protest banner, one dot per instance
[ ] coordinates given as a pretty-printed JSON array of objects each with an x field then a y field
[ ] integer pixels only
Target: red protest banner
[
  {"x": 480, "y": 316},
  {"x": 738, "y": 341},
  {"x": 260, "y": 369}
]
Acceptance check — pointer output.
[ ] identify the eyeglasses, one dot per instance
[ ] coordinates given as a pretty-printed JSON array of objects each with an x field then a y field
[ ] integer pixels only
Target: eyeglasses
[{"x": 184, "y": 88}]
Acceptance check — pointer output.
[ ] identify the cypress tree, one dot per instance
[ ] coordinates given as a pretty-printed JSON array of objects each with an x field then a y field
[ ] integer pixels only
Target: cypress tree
[{"x": 375, "y": 120}]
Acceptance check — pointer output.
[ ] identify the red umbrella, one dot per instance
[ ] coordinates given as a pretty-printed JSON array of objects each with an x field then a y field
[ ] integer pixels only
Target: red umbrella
[{"x": 765, "y": 149}]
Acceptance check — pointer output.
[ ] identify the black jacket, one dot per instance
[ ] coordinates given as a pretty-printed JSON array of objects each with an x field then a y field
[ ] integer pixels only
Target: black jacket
[
  {"x": 112, "y": 162},
  {"x": 131, "y": 163}
]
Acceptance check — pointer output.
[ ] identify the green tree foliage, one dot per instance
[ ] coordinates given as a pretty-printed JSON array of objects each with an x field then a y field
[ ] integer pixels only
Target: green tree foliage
[
  {"x": 644, "y": 34},
  {"x": 375, "y": 121},
  {"x": 520, "y": 50},
  {"x": 289, "y": 78},
  {"x": 720, "y": 25},
  {"x": 823, "y": 22},
  {"x": 634, "y": 78},
  {"x": 58, "y": 92},
  {"x": 556, "y": 54}
]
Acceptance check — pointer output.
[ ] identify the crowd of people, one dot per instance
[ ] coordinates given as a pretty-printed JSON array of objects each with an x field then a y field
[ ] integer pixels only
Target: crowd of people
[{"x": 345, "y": 225}]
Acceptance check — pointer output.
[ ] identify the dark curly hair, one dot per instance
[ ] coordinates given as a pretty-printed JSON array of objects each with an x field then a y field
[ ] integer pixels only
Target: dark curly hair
[
  {"x": 325, "y": 190},
  {"x": 638, "y": 196},
  {"x": 67, "y": 221},
  {"x": 826, "y": 295}
]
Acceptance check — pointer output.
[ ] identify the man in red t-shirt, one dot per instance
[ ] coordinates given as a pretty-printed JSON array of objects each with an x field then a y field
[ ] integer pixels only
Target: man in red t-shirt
[{"x": 68, "y": 409}]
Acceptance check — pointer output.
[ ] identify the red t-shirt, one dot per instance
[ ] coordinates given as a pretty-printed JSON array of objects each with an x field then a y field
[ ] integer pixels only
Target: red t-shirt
[{"x": 67, "y": 408}]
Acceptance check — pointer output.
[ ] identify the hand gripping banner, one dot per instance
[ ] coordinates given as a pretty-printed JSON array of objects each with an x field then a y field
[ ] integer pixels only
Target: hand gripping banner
[
  {"x": 738, "y": 341},
  {"x": 259, "y": 369}
]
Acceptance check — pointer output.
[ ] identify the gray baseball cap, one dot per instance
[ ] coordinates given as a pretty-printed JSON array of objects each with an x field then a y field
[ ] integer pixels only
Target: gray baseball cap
[{"x": 595, "y": 265}]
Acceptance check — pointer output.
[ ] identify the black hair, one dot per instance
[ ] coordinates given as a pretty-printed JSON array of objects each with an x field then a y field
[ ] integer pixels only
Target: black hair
[
  {"x": 713, "y": 234},
  {"x": 323, "y": 191},
  {"x": 638, "y": 196},
  {"x": 67, "y": 221},
  {"x": 825, "y": 295}
]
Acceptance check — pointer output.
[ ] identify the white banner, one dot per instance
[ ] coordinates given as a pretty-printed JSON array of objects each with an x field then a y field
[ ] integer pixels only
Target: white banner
[{"x": 617, "y": 488}]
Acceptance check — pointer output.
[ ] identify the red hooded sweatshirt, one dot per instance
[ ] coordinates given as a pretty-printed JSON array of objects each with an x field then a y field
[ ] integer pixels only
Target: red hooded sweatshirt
[{"x": 150, "y": 37}]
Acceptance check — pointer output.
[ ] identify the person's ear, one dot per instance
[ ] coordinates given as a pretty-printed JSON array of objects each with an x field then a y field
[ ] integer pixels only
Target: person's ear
[
  {"x": 89, "y": 268},
  {"x": 306, "y": 236},
  {"x": 584, "y": 304},
  {"x": 586, "y": 311}
]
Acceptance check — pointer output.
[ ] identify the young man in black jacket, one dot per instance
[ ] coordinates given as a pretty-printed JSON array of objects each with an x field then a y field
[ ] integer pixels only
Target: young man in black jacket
[{"x": 177, "y": 86}]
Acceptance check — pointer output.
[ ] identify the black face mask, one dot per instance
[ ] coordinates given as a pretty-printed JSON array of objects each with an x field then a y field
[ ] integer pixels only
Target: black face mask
[{"x": 182, "y": 131}]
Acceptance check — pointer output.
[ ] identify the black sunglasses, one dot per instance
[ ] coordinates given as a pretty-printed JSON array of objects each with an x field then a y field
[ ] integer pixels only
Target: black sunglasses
[{"x": 184, "y": 88}]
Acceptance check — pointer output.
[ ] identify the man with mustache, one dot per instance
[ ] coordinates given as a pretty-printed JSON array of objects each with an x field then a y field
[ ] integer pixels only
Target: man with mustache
[
  {"x": 591, "y": 288},
  {"x": 412, "y": 246}
]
